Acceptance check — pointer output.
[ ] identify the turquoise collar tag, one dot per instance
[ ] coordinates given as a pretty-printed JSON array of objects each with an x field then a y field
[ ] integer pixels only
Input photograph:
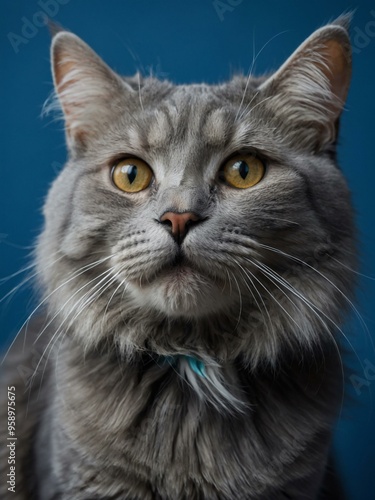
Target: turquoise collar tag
[{"x": 195, "y": 364}]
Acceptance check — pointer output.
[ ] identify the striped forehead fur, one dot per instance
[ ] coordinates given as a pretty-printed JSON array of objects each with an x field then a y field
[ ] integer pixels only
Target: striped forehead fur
[{"x": 212, "y": 125}]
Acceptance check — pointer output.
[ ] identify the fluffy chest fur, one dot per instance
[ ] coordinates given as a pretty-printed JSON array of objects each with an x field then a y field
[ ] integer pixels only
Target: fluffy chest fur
[{"x": 139, "y": 431}]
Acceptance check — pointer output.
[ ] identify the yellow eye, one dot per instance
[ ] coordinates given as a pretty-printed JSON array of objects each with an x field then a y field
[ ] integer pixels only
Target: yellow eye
[
  {"x": 132, "y": 175},
  {"x": 243, "y": 171}
]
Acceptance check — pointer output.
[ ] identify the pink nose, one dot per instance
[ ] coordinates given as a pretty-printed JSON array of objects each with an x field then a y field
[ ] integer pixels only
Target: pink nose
[{"x": 179, "y": 223}]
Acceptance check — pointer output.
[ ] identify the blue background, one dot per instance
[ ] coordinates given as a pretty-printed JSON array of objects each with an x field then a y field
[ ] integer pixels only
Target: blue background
[{"x": 185, "y": 41}]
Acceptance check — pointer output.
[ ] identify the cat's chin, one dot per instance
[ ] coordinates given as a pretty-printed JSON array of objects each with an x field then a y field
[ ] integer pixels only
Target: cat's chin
[{"x": 181, "y": 292}]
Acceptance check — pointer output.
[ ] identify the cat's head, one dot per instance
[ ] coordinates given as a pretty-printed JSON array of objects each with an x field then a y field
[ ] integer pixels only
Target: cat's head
[{"x": 196, "y": 218}]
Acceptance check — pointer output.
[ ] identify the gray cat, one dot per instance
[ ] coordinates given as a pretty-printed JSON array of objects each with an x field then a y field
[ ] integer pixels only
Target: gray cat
[{"x": 195, "y": 266}]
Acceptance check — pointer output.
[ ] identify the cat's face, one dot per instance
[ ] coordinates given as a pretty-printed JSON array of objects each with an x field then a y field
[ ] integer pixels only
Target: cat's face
[{"x": 199, "y": 203}]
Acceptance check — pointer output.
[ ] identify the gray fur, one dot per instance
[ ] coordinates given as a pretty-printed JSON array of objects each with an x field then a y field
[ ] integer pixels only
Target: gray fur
[{"x": 264, "y": 285}]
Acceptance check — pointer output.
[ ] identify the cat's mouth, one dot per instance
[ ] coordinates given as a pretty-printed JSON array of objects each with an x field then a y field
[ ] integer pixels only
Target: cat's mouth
[
  {"x": 181, "y": 289},
  {"x": 179, "y": 260},
  {"x": 179, "y": 267}
]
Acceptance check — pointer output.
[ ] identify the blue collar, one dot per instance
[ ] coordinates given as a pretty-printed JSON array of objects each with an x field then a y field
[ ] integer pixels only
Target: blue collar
[{"x": 195, "y": 364}]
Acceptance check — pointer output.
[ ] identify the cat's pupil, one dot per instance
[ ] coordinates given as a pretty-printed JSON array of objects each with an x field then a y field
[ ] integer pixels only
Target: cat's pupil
[
  {"x": 132, "y": 173},
  {"x": 243, "y": 169}
]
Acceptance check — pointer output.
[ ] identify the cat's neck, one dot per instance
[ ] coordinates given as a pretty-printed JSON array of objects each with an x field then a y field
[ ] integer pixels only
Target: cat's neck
[{"x": 230, "y": 387}]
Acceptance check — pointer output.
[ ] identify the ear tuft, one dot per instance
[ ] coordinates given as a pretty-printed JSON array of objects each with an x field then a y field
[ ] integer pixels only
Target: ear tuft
[
  {"x": 344, "y": 20},
  {"x": 54, "y": 28}
]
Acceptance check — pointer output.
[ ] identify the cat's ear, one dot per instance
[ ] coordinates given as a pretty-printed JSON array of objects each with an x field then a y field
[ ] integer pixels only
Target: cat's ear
[
  {"x": 86, "y": 88},
  {"x": 308, "y": 92}
]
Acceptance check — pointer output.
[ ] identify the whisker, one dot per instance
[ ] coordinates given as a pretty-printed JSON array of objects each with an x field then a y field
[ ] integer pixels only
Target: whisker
[
  {"x": 26, "y": 280},
  {"x": 106, "y": 272},
  {"x": 61, "y": 334},
  {"x": 352, "y": 270},
  {"x": 20, "y": 271},
  {"x": 89, "y": 298},
  {"x": 111, "y": 297},
  {"x": 315, "y": 309},
  {"x": 352, "y": 306},
  {"x": 269, "y": 323},
  {"x": 61, "y": 324},
  {"x": 75, "y": 275},
  {"x": 31, "y": 380},
  {"x": 250, "y": 72},
  {"x": 254, "y": 107},
  {"x": 240, "y": 299},
  {"x": 139, "y": 91},
  {"x": 311, "y": 306}
]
